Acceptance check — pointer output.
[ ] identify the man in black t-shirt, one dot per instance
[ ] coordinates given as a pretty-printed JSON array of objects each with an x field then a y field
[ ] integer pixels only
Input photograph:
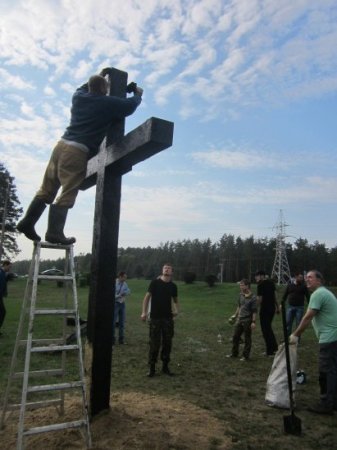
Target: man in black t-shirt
[
  {"x": 163, "y": 294},
  {"x": 295, "y": 293},
  {"x": 266, "y": 298}
]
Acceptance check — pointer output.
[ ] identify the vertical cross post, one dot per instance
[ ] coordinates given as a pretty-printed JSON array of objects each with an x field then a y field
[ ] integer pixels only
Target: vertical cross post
[
  {"x": 117, "y": 155},
  {"x": 104, "y": 261}
]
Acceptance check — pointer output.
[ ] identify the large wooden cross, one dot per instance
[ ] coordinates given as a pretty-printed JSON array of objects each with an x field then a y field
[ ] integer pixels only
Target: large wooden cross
[{"x": 117, "y": 155}]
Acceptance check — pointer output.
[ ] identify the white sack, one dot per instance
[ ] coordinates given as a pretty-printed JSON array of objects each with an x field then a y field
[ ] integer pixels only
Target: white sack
[{"x": 277, "y": 393}]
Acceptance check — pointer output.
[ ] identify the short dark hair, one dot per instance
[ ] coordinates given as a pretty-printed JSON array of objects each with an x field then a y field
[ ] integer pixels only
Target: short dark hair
[
  {"x": 96, "y": 83},
  {"x": 6, "y": 262},
  {"x": 121, "y": 274},
  {"x": 245, "y": 281}
]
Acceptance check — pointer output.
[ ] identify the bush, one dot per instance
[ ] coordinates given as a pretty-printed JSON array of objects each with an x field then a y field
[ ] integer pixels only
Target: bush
[
  {"x": 211, "y": 280},
  {"x": 189, "y": 277},
  {"x": 84, "y": 279}
]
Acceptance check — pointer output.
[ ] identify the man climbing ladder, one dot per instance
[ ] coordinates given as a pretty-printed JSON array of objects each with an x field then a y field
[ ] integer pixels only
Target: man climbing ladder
[{"x": 91, "y": 114}]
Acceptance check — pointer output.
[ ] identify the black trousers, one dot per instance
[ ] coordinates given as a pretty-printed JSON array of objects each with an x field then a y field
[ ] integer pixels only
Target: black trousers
[
  {"x": 161, "y": 335},
  {"x": 266, "y": 318},
  {"x": 2, "y": 311},
  {"x": 327, "y": 366}
]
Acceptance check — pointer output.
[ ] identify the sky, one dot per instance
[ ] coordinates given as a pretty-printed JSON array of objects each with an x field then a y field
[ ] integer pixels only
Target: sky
[{"x": 249, "y": 84}]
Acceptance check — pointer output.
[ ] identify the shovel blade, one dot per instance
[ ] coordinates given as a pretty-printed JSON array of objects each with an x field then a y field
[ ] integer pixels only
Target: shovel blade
[{"x": 292, "y": 425}]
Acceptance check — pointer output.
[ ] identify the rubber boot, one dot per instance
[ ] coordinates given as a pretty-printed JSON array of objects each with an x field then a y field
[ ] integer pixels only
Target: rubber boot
[
  {"x": 33, "y": 213},
  {"x": 56, "y": 221}
]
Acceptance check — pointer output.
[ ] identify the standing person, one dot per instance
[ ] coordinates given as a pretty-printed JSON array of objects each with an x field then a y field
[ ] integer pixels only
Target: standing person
[
  {"x": 92, "y": 112},
  {"x": 295, "y": 293},
  {"x": 266, "y": 299},
  {"x": 322, "y": 312},
  {"x": 121, "y": 291},
  {"x": 162, "y": 292},
  {"x": 4, "y": 269},
  {"x": 246, "y": 319}
]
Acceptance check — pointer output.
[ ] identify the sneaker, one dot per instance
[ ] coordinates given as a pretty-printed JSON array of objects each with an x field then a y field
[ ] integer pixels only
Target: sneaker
[
  {"x": 244, "y": 358},
  {"x": 320, "y": 408},
  {"x": 231, "y": 356}
]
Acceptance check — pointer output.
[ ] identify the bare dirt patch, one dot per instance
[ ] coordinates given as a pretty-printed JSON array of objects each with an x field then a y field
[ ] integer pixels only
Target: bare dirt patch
[{"x": 136, "y": 421}]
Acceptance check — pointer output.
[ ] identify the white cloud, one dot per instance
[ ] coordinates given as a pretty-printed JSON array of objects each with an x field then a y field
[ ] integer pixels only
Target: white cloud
[
  {"x": 49, "y": 91},
  {"x": 12, "y": 82},
  {"x": 239, "y": 159}
]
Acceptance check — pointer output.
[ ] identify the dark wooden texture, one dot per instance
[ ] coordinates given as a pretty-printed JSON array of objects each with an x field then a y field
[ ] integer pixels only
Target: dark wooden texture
[{"x": 117, "y": 155}]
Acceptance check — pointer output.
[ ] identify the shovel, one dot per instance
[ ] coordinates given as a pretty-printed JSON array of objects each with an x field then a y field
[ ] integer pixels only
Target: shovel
[{"x": 291, "y": 424}]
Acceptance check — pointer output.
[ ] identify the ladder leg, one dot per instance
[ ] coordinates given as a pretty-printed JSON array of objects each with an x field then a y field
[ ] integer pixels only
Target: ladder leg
[
  {"x": 80, "y": 352},
  {"x": 36, "y": 261},
  {"x": 19, "y": 335}
]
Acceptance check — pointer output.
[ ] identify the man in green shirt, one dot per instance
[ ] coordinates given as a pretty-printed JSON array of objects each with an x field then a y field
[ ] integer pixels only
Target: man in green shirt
[{"x": 322, "y": 312}]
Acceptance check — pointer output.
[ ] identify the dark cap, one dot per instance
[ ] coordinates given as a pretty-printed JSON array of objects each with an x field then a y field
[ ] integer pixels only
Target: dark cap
[{"x": 260, "y": 272}]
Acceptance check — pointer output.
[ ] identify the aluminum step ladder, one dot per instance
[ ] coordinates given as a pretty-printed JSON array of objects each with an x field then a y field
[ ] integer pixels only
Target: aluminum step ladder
[{"x": 48, "y": 351}]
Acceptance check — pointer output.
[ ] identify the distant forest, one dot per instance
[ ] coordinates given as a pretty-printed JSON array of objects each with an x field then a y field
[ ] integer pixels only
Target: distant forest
[{"x": 238, "y": 258}]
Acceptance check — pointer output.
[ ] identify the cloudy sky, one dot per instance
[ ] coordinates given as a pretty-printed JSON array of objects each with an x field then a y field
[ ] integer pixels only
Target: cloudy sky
[{"x": 249, "y": 84}]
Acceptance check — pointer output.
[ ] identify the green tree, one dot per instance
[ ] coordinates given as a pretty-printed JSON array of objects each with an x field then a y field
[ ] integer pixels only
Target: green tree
[{"x": 10, "y": 211}]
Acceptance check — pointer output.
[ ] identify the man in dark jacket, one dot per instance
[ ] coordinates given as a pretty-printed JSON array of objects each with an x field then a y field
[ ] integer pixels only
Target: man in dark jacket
[
  {"x": 4, "y": 269},
  {"x": 295, "y": 293},
  {"x": 91, "y": 114}
]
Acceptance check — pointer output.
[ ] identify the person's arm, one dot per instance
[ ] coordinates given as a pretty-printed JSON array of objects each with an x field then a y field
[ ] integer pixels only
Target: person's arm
[
  {"x": 175, "y": 306},
  {"x": 254, "y": 313},
  {"x": 253, "y": 324},
  {"x": 125, "y": 291},
  {"x": 145, "y": 306},
  {"x": 305, "y": 322}
]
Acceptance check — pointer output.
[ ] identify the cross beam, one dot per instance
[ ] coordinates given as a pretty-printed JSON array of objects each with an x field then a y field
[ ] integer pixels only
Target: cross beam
[
  {"x": 117, "y": 155},
  {"x": 150, "y": 138}
]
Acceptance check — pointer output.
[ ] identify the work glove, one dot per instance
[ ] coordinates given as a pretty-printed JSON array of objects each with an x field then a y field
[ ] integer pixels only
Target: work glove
[{"x": 293, "y": 339}]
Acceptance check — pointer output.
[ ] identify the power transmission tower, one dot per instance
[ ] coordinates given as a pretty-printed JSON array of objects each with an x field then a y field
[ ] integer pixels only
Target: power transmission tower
[{"x": 281, "y": 270}]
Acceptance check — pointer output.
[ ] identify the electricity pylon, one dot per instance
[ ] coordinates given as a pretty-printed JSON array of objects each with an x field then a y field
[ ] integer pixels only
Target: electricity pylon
[{"x": 281, "y": 270}]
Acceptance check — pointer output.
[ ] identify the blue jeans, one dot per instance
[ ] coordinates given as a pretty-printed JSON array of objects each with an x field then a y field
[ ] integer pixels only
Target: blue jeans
[
  {"x": 119, "y": 316},
  {"x": 293, "y": 312}
]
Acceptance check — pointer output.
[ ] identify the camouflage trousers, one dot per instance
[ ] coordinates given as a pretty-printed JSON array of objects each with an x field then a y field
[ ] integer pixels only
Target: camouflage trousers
[{"x": 161, "y": 334}]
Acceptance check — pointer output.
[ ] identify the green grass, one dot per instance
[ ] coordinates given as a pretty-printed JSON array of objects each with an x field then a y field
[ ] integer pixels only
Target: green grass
[{"x": 231, "y": 390}]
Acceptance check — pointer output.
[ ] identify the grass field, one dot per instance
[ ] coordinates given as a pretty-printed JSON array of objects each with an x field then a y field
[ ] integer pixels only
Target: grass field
[{"x": 231, "y": 390}]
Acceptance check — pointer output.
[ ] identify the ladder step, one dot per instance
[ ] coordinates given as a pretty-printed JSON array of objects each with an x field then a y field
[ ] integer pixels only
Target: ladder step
[
  {"x": 55, "y": 427},
  {"x": 52, "y": 312},
  {"x": 43, "y": 341},
  {"x": 35, "y": 405},
  {"x": 55, "y": 277},
  {"x": 40, "y": 373},
  {"x": 45, "y": 244},
  {"x": 54, "y": 348},
  {"x": 55, "y": 387}
]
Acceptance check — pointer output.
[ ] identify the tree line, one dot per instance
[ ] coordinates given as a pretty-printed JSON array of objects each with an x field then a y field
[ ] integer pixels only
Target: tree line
[{"x": 229, "y": 259}]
